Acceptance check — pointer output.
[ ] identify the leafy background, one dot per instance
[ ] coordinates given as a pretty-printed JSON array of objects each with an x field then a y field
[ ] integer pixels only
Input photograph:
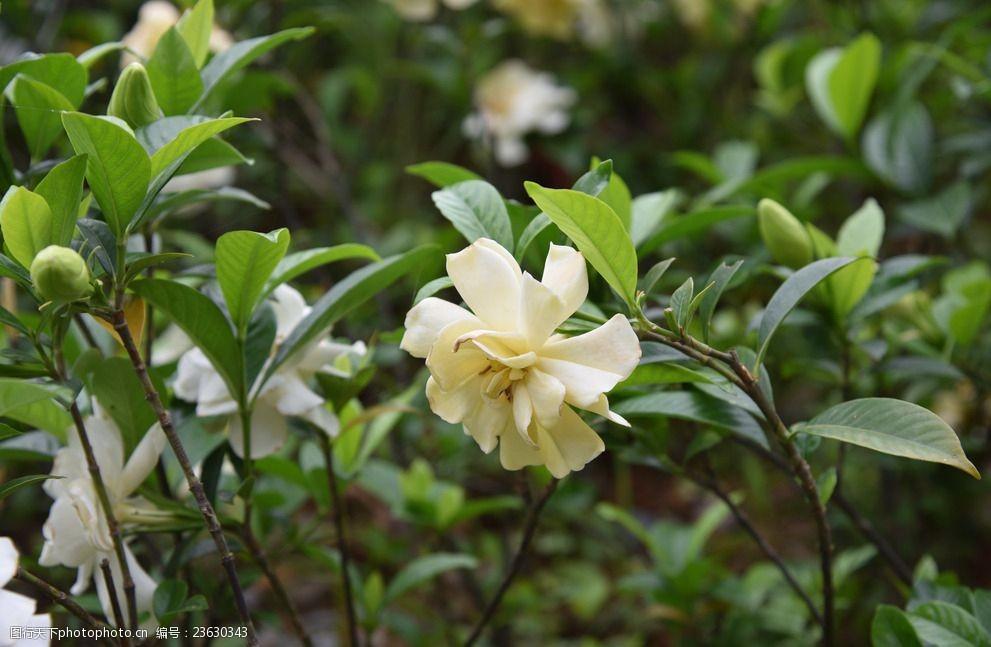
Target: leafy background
[{"x": 717, "y": 110}]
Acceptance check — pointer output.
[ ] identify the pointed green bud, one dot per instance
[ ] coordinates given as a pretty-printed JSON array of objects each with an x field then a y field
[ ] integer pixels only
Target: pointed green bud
[
  {"x": 133, "y": 99},
  {"x": 822, "y": 245},
  {"x": 783, "y": 234},
  {"x": 60, "y": 274}
]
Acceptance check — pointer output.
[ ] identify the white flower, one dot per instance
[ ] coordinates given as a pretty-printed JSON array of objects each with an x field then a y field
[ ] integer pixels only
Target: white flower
[
  {"x": 561, "y": 19},
  {"x": 513, "y": 100},
  {"x": 76, "y": 532},
  {"x": 154, "y": 19},
  {"x": 501, "y": 369},
  {"x": 17, "y": 610},
  {"x": 213, "y": 178},
  {"x": 421, "y": 10},
  {"x": 284, "y": 394}
]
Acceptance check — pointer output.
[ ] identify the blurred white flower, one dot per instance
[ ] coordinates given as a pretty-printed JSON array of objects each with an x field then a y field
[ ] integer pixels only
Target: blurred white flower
[
  {"x": 513, "y": 100},
  {"x": 214, "y": 178},
  {"x": 76, "y": 532},
  {"x": 284, "y": 394},
  {"x": 154, "y": 19},
  {"x": 17, "y": 610},
  {"x": 562, "y": 19},
  {"x": 502, "y": 371},
  {"x": 421, "y": 10}
]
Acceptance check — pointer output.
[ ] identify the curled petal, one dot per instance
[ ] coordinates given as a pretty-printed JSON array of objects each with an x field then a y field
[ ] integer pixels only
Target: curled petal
[
  {"x": 569, "y": 445},
  {"x": 592, "y": 364},
  {"x": 453, "y": 364},
  {"x": 489, "y": 280},
  {"x": 547, "y": 395},
  {"x": 425, "y": 321},
  {"x": 142, "y": 461}
]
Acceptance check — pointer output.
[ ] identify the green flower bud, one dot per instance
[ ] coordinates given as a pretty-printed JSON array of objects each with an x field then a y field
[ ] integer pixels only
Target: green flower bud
[
  {"x": 60, "y": 274},
  {"x": 133, "y": 99},
  {"x": 783, "y": 234}
]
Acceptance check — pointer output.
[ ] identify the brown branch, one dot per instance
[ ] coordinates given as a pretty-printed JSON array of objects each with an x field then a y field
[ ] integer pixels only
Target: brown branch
[
  {"x": 258, "y": 555},
  {"x": 195, "y": 486},
  {"x": 529, "y": 530},
  {"x": 108, "y": 580},
  {"x": 61, "y": 598}
]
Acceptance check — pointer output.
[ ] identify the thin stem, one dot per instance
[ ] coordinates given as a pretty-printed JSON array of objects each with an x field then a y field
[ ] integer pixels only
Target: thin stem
[
  {"x": 342, "y": 543},
  {"x": 803, "y": 471},
  {"x": 258, "y": 555},
  {"x": 195, "y": 485},
  {"x": 61, "y": 598},
  {"x": 709, "y": 483},
  {"x": 112, "y": 525},
  {"x": 101, "y": 491},
  {"x": 514, "y": 568},
  {"x": 108, "y": 580}
]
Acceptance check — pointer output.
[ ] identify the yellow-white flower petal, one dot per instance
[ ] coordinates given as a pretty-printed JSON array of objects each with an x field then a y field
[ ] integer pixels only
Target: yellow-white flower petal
[
  {"x": 569, "y": 445},
  {"x": 268, "y": 431},
  {"x": 541, "y": 312},
  {"x": 547, "y": 396},
  {"x": 593, "y": 363},
  {"x": 522, "y": 409},
  {"x": 515, "y": 453},
  {"x": 425, "y": 321},
  {"x": 142, "y": 460},
  {"x": 566, "y": 276},
  {"x": 489, "y": 280},
  {"x": 452, "y": 364}
]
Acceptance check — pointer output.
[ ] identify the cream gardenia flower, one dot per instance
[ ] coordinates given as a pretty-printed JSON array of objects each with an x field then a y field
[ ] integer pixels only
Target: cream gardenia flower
[
  {"x": 561, "y": 19},
  {"x": 154, "y": 19},
  {"x": 76, "y": 532},
  {"x": 501, "y": 369},
  {"x": 18, "y": 610},
  {"x": 421, "y": 10},
  {"x": 284, "y": 394},
  {"x": 513, "y": 100}
]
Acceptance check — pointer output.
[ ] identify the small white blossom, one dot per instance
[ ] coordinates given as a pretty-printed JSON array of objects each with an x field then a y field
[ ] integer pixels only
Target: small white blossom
[
  {"x": 76, "y": 532},
  {"x": 513, "y": 100},
  {"x": 285, "y": 394},
  {"x": 17, "y": 610},
  {"x": 502, "y": 371}
]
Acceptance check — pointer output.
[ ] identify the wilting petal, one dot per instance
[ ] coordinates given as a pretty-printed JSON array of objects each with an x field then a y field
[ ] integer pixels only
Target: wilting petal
[
  {"x": 515, "y": 453},
  {"x": 142, "y": 461},
  {"x": 541, "y": 312},
  {"x": 452, "y": 368},
  {"x": 566, "y": 276},
  {"x": 569, "y": 445},
  {"x": 489, "y": 280},
  {"x": 547, "y": 396},
  {"x": 592, "y": 364},
  {"x": 425, "y": 321},
  {"x": 108, "y": 447},
  {"x": 507, "y": 348},
  {"x": 268, "y": 431}
]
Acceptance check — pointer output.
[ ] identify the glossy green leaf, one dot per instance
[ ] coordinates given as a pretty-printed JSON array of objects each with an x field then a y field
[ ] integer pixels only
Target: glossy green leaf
[
  {"x": 790, "y": 293},
  {"x": 680, "y": 300},
  {"x": 694, "y": 406},
  {"x": 299, "y": 263},
  {"x": 654, "y": 275},
  {"x": 117, "y": 167},
  {"x": 947, "y": 625},
  {"x": 188, "y": 139},
  {"x": 39, "y": 109},
  {"x": 615, "y": 194},
  {"x": 597, "y": 232},
  {"x": 202, "y": 320},
  {"x": 433, "y": 287},
  {"x": 476, "y": 210},
  {"x": 345, "y": 296},
  {"x": 245, "y": 261},
  {"x": 898, "y": 146},
  {"x": 62, "y": 189},
  {"x": 241, "y": 54},
  {"x": 169, "y": 203},
  {"x": 174, "y": 75},
  {"x": 442, "y": 174},
  {"x": 9, "y": 487},
  {"x": 195, "y": 26},
  {"x": 893, "y": 427},
  {"x": 891, "y": 627},
  {"x": 862, "y": 233},
  {"x": 26, "y": 222},
  {"x": 60, "y": 71}
]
